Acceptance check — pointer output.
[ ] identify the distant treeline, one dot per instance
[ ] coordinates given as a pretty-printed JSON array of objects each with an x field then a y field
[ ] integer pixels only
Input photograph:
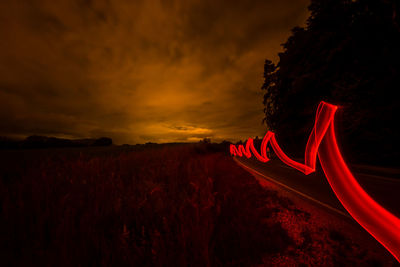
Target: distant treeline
[
  {"x": 36, "y": 141},
  {"x": 348, "y": 54}
]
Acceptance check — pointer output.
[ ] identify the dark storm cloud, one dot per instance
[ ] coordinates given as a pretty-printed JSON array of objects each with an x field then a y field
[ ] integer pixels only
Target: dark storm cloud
[{"x": 138, "y": 71}]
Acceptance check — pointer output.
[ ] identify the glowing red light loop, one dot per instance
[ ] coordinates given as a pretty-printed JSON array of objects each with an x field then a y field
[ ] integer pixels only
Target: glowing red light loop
[{"x": 380, "y": 223}]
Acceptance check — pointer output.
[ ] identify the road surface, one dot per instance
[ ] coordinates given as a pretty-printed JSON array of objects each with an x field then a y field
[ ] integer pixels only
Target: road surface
[{"x": 383, "y": 186}]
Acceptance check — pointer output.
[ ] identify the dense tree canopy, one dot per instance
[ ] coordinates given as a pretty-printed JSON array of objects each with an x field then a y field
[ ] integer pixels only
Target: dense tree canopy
[{"x": 348, "y": 55}]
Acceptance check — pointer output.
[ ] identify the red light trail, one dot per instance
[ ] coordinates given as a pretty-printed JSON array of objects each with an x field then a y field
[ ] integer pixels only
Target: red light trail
[{"x": 379, "y": 222}]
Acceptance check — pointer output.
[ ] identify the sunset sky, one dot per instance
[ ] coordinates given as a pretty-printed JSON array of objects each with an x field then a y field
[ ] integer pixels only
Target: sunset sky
[{"x": 139, "y": 71}]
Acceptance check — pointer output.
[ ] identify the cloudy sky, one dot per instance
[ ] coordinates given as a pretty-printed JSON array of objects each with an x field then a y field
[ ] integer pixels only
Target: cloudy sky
[{"x": 139, "y": 71}]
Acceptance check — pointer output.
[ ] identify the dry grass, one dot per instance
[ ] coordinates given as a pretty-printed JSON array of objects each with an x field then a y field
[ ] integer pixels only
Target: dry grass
[{"x": 159, "y": 206}]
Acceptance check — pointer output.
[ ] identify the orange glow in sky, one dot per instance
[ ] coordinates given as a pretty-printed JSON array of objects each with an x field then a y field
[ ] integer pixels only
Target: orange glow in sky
[{"x": 139, "y": 71}]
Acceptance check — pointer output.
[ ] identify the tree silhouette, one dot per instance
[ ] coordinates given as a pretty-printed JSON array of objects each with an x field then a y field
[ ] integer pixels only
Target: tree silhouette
[{"x": 347, "y": 54}]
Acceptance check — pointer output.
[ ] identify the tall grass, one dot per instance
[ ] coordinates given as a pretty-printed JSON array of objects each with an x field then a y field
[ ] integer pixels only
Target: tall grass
[
  {"x": 163, "y": 206},
  {"x": 180, "y": 205}
]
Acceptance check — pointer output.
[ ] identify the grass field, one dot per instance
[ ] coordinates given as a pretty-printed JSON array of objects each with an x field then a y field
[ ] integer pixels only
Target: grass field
[{"x": 154, "y": 205}]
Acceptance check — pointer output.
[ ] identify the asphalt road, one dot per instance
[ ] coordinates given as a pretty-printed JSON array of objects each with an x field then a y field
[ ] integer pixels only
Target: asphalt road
[{"x": 383, "y": 186}]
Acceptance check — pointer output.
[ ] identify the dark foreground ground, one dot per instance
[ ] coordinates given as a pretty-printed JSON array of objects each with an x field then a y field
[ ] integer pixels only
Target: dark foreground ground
[{"x": 159, "y": 206}]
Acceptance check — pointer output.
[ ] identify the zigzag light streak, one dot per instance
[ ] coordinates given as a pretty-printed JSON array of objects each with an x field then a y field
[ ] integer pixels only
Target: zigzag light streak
[{"x": 379, "y": 222}]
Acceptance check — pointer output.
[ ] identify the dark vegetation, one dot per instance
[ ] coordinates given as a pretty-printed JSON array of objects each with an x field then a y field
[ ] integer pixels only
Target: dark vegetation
[
  {"x": 152, "y": 205},
  {"x": 159, "y": 206},
  {"x": 348, "y": 55},
  {"x": 37, "y": 141}
]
